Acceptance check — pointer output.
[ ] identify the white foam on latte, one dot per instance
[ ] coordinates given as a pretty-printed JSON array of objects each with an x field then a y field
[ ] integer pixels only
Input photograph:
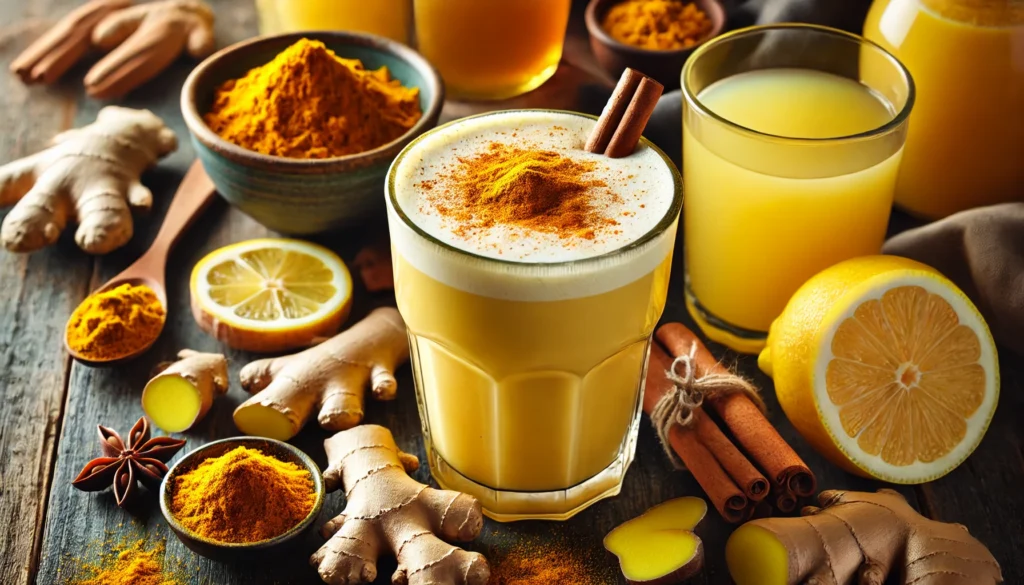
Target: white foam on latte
[{"x": 516, "y": 262}]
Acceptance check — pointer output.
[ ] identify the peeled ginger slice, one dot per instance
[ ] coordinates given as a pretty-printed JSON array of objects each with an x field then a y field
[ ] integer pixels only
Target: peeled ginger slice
[
  {"x": 659, "y": 547},
  {"x": 182, "y": 393}
]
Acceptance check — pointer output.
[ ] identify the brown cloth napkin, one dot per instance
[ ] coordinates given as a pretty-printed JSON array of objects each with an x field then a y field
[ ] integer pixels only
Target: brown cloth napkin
[{"x": 982, "y": 251}]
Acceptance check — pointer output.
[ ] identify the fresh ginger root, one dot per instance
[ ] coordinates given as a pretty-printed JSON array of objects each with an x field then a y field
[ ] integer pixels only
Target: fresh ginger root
[
  {"x": 89, "y": 174},
  {"x": 330, "y": 376},
  {"x": 659, "y": 546},
  {"x": 858, "y": 537},
  {"x": 144, "y": 40},
  {"x": 182, "y": 393},
  {"x": 388, "y": 511}
]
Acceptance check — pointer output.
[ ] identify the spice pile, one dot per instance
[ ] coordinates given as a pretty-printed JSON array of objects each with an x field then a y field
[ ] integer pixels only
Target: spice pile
[
  {"x": 662, "y": 25},
  {"x": 132, "y": 563},
  {"x": 540, "y": 190},
  {"x": 116, "y": 323},
  {"x": 309, "y": 103},
  {"x": 242, "y": 496}
]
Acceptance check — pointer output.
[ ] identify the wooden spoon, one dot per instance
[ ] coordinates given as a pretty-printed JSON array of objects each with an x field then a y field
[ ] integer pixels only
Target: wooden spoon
[{"x": 194, "y": 193}]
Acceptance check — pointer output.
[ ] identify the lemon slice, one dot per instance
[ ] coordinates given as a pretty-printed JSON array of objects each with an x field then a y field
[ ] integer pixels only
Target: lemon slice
[
  {"x": 886, "y": 368},
  {"x": 270, "y": 295}
]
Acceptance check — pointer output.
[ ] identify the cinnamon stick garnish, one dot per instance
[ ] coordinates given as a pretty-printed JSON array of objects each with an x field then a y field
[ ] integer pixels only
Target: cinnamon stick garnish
[
  {"x": 625, "y": 116},
  {"x": 701, "y": 449},
  {"x": 743, "y": 418},
  {"x": 613, "y": 111}
]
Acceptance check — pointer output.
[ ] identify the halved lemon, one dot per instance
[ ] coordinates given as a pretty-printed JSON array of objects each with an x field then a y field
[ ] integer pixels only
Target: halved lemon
[
  {"x": 270, "y": 294},
  {"x": 886, "y": 368}
]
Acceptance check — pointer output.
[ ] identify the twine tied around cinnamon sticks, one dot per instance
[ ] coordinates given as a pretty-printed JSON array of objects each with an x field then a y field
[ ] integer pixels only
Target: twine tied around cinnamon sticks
[
  {"x": 679, "y": 405},
  {"x": 684, "y": 383}
]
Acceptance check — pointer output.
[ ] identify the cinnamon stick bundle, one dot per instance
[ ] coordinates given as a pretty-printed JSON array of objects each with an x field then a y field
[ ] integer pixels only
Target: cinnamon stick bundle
[
  {"x": 746, "y": 421},
  {"x": 733, "y": 484}
]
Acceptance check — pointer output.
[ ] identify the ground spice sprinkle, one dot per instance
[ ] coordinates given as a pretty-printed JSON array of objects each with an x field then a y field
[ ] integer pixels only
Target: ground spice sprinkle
[{"x": 540, "y": 190}]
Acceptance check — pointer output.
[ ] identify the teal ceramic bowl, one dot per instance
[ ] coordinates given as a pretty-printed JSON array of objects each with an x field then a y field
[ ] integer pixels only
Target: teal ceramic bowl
[
  {"x": 296, "y": 196},
  {"x": 226, "y": 551}
]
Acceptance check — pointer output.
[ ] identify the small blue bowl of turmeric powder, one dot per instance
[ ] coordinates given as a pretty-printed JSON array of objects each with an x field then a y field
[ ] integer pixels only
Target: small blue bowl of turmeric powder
[
  {"x": 241, "y": 497},
  {"x": 298, "y": 130}
]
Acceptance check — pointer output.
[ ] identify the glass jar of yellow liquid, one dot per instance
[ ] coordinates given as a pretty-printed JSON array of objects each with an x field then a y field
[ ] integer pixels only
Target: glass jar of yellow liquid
[
  {"x": 792, "y": 138},
  {"x": 966, "y": 143},
  {"x": 386, "y": 18},
  {"x": 529, "y": 346},
  {"x": 492, "y": 49}
]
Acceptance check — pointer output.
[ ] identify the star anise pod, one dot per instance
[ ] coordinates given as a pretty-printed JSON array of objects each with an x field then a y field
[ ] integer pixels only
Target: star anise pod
[{"x": 123, "y": 465}]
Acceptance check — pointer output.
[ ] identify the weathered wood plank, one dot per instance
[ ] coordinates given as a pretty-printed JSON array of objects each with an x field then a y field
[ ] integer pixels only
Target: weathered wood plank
[
  {"x": 111, "y": 397},
  {"x": 38, "y": 293}
]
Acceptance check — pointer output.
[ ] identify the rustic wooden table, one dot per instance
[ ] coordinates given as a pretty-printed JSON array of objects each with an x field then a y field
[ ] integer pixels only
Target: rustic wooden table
[{"x": 51, "y": 406}]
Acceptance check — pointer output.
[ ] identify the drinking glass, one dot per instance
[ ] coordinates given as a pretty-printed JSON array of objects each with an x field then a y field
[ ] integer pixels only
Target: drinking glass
[
  {"x": 529, "y": 374},
  {"x": 492, "y": 49},
  {"x": 387, "y": 18},
  {"x": 966, "y": 140},
  {"x": 764, "y": 212}
]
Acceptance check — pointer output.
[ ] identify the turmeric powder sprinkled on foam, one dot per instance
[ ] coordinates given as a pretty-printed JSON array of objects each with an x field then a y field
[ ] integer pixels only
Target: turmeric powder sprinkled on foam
[
  {"x": 308, "y": 103},
  {"x": 657, "y": 24},
  {"x": 539, "y": 190},
  {"x": 115, "y": 323},
  {"x": 243, "y": 495}
]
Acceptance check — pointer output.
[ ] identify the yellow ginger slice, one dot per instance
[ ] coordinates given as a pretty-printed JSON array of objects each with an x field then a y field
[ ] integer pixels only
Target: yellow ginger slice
[
  {"x": 659, "y": 547},
  {"x": 182, "y": 393}
]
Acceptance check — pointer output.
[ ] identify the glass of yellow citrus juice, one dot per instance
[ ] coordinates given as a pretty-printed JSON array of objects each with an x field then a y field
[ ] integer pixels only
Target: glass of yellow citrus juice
[
  {"x": 792, "y": 138},
  {"x": 965, "y": 147},
  {"x": 529, "y": 345},
  {"x": 492, "y": 49}
]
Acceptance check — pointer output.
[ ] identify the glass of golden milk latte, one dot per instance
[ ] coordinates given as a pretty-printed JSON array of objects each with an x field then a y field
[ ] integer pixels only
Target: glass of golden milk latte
[{"x": 531, "y": 275}]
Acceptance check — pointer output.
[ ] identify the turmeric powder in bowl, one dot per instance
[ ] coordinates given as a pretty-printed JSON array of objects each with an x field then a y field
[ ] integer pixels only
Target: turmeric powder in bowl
[
  {"x": 659, "y": 25},
  {"x": 243, "y": 496},
  {"x": 309, "y": 103}
]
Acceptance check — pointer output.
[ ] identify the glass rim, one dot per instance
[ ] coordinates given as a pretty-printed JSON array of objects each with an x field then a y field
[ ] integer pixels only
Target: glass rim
[
  {"x": 898, "y": 120},
  {"x": 660, "y": 228}
]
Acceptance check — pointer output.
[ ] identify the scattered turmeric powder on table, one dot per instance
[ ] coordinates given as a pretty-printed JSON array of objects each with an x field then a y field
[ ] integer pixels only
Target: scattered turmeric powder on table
[
  {"x": 662, "y": 25},
  {"x": 113, "y": 324},
  {"x": 309, "y": 103},
  {"x": 131, "y": 563}
]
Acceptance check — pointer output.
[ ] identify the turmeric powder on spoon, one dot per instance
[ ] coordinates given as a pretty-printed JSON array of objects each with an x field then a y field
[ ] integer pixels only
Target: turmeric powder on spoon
[
  {"x": 309, "y": 103},
  {"x": 116, "y": 323}
]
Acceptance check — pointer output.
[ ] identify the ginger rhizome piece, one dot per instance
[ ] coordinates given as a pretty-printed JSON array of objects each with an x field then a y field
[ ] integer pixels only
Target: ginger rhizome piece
[
  {"x": 659, "y": 547},
  {"x": 182, "y": 392},
  {"x": 144, "y": 40},
  {"x": 862, "y": 538},
  {"x": 390, "y": 512},
  {"x": 330, "y": 377},
  {"x": 89, "y": 175}
]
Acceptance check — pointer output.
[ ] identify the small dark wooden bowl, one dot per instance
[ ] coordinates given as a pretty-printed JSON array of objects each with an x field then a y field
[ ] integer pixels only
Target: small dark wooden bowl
[
  {"x": 297, "y": 196},
  {"x": 664, "y": 66},
  {"x": 227, "y": 551}
]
